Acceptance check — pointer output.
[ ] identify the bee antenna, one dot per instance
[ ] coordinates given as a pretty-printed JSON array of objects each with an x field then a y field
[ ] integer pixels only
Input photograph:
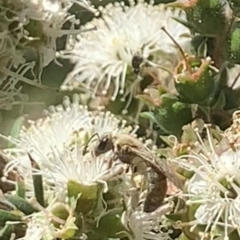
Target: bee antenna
[
  {"x": 98, "y": 136},
  {"x": 88, "y": 141}
]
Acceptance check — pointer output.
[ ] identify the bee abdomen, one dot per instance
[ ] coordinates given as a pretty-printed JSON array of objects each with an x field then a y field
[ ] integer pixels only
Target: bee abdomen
[{"x": 156, "y": 192}]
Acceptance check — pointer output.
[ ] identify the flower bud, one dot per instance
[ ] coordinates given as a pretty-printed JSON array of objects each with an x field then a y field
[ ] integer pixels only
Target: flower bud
[
  {"x": 194, "y": 81},
  {"x": 63, "y": 212},
  {"x": 87, "y": 195}
]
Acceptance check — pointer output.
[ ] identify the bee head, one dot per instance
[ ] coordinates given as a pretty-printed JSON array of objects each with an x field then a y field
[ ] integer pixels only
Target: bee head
[{"x": 104, "y": 145}]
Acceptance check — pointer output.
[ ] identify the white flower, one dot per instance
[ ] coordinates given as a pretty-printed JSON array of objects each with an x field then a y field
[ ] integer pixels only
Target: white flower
[
  {"x": 12, "y": 72},
  {"x": 55, "y": 130},
  {"x": 57, "y": 141},
  {"x": 61, "y": 125},
  {"x": 145, "y": 226},
  {"x": 103, "y": 57},
  {"x": 232, "y": 134},
  {"x": 215, "y": 187},
  {"x": 43, "y": 20},
  {"x": 84, "y": 169},
  {"x": 139, "y": 224},
  {"x": 37, "y": 229},
  {"x": 50, "y": 16},
  {"x": 64, "y": 124},
  {"x": 42, "y": 225},
  {"x": 61, "y": 167}
]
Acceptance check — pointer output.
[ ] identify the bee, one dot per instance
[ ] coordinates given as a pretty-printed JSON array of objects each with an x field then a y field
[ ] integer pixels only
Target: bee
[
  {"x": 130, "y": 150},
  {"x": 137, "y": 62},
  {"x": 143, "y": 67}
]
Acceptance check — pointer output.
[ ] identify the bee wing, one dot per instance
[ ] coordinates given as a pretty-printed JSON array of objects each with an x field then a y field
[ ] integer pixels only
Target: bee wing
[
  {"x": 171, "y": 174},
  {"x": 160, "y": 167}
]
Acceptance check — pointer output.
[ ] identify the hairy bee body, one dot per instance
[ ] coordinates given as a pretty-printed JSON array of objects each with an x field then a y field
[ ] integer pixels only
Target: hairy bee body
[{"x": 131, "y": 151}]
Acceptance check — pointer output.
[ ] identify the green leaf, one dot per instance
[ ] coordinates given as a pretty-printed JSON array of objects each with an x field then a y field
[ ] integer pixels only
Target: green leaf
[
  {"x": 209, "y": 17},
  {"x": 37, "y": 183},
  {"x": 206, "y": 110},
  {"x": 20, "y": 188},
  {"x": 5, "y": 204},
  {"x": 21, "y": 204},
  {"x": 110, "y": 224},
  {"x": 179, "y": 216},
  {"x": 6, "y": 216},
  {"x": 234, "y": 44},
  {"x": 234, "y": 235},
  {"x": 221, "y": 101},
  {"x": 202, "y": 49},
  {"x": 185, "y": 23},
  {"x": 172, "y": 115},
  {"x": 15, "y": 130},
  {"x": 6, "y": 232}
]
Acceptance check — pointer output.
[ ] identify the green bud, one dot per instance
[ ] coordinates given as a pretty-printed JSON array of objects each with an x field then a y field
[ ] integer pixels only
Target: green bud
[
  {"x": 87, "y": 195},
  {"x": 64, "y": 212},
  {"x": 233, "y": 44},
  {"x": 61, "y": 211},
  {"x": 195, "y": 81}
]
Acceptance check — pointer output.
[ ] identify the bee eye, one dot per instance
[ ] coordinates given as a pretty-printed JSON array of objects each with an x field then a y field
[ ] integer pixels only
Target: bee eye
[
  {"x": 135, "y": 169},
  {"x": 104, "y": 145}
]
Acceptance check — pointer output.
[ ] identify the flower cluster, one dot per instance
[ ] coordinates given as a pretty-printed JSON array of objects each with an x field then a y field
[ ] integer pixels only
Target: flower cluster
[
  {"x": 56, "y": 142},
  {"x": 103, "y": 58},
  {"x": 213, "y": 187},
  {"x": 29, "y": 30},
  {"x": 81, "y": 172},
  {"x": 58, "y": 150}
]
